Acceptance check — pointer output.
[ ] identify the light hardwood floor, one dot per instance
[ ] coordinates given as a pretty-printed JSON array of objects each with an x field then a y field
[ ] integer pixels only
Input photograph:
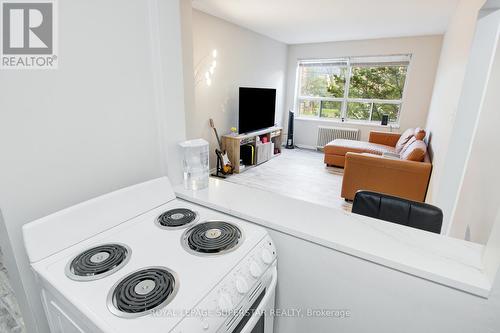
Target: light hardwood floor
[{"x": 298, "y": 173}]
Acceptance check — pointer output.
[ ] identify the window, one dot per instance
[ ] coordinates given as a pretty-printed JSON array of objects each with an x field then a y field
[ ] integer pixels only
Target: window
[{"x": 358, "y": 89}]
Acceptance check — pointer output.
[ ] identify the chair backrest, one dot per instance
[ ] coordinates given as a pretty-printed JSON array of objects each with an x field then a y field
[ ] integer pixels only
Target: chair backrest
[{"x": 398, "y": 210}]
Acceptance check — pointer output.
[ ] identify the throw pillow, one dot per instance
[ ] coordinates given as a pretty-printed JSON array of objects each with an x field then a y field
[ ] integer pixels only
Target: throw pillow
[
  {"x": 404, "y": 138},
  {"x": 415, "y": 151},
  {"x": 419, "y": 133}
]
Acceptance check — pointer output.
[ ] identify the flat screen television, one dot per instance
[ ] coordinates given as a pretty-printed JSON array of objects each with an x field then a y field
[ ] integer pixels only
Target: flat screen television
[{"x": 257, "y": 107}]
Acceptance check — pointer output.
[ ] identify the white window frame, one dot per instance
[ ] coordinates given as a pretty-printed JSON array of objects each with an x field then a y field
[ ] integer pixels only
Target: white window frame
[{"x": 346, "y": 99}]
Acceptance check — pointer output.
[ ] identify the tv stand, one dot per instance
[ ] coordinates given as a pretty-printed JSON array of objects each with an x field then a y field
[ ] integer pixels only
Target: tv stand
[{"x": 262, "y": 152}]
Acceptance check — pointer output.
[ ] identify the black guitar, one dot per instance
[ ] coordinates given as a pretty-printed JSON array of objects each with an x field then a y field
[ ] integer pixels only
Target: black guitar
[{"x": 221, "y": 154}]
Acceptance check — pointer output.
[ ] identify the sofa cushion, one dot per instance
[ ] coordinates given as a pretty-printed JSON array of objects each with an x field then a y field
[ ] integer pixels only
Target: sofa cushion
[
  {"x": 415, "y": 151},
  {"x": 404, "y": 138},
  {"x": 341, "y": 147}
]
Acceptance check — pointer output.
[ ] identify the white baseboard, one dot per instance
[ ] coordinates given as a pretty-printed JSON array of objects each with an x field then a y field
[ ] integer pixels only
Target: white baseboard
[{"x": 306, "y": 147}]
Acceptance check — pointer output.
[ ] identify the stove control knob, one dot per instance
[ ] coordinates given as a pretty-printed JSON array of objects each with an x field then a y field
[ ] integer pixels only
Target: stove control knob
[
  {"x": 267, "y": 256},
  {"x": 224, "y": 302},
  {"x": 241, "y": 285},
  {"x": 204, "y": 324},
  {"x": 255, "y": 269}
]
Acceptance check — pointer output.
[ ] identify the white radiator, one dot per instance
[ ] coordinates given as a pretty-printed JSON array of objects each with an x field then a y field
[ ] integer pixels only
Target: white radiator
[{"x": 327, "y": 134}]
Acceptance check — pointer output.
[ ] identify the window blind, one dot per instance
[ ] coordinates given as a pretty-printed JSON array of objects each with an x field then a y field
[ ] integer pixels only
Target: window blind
[
  {"x": 323, "y": 63},
  {"x": 396, "y": 60},
  {"x": 392, "y": 60}
]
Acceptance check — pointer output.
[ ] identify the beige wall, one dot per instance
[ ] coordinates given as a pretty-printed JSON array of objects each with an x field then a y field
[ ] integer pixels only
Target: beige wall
[
  {"x": 244, "y": 58},
  {"x": 445, "y": 98},
  {"x": 425, "y": 55}
]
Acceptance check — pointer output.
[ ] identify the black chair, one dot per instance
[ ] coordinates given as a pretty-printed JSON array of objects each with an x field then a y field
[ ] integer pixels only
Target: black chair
[{"x": 398, "y": 210}]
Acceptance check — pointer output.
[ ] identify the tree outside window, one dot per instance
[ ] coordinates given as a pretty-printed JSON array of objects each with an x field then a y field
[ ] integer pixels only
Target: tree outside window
[{"x": 356, "y": 89}]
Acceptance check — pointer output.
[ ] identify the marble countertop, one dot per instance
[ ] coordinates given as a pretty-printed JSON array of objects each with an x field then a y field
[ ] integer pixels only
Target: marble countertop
[{"x": 447, "y": 261}]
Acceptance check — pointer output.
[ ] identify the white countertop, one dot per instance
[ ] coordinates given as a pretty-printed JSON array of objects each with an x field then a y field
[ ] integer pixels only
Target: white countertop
[{"x": 448, "y": 261}]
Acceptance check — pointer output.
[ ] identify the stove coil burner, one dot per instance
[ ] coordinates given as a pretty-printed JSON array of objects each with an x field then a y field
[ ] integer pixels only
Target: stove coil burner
[
  {"x": 142, "y": 292},
  {"x": 98, "y": 262},
  {"x": 212, "y": 237},
  {"x": 176, "y": 218}
]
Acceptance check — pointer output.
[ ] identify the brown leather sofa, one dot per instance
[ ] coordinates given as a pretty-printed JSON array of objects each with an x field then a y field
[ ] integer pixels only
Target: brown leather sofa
[
  {"x": 378, "y": 143},
  {"x": 367, "y": 166}
]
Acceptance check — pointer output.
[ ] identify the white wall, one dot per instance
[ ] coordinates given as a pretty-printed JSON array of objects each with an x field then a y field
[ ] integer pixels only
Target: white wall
[
  {"x": 445, "y": 98},
  {"x": 476, "y": 126},
  {"x": 418, "y": 90},
  {"x": 104, "y": 120},
  {"x": 379, "y": 299},
  {"x": 244, "y": 58},
  {"x": 187, "y": 55},
  {"x": 491, "y": 253}
]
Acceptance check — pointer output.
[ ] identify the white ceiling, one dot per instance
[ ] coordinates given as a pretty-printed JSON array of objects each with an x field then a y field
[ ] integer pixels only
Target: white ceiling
[{"x": 309, "y": 21}]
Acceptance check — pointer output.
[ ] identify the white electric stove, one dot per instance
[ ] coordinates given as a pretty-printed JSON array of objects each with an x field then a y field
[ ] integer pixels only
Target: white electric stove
[{"x": 141, "y": 260}]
